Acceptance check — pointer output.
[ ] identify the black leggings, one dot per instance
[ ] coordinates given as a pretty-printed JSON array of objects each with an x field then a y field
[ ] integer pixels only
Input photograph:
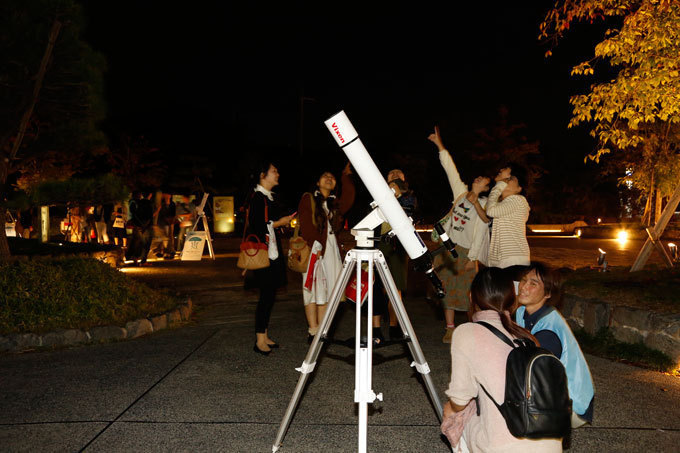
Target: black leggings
[
  {"x": 264, "y": 308},
  {"x": 267, "y": 280}
]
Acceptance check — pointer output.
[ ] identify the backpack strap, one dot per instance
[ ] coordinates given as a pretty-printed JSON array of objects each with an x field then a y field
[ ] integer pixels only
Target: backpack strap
[
  {"x": 497, "y": 332},
  {"x": 505, "y": 340}
]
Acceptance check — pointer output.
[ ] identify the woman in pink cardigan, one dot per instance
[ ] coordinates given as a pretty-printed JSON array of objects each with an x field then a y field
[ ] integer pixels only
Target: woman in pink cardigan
[{"x": 478, "y": 358}]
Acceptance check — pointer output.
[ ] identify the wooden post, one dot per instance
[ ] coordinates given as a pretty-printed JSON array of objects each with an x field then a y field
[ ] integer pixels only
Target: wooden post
[{"x": 656, "y": 233}]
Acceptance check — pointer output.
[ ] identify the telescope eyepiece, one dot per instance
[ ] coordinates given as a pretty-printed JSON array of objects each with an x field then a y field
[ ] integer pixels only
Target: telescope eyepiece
[{"x": 448, "y": 243}]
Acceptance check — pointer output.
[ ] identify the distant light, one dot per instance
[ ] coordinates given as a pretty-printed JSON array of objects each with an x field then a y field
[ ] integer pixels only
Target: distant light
[
  {"x": 622, "y": 236},
  {"x": 602, "y": 259},
  {"x": 673, "y": 249},
  {"x": 599, "y": 220},
  {"x": 547, "y": 231},
  {"x": 578, "y": 233},
  {"x": 294, "y": 222}
]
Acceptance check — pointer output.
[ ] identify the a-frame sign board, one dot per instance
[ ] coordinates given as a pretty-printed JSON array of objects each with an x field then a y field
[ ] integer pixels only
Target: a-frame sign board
[
  {"x": 200, "y": 217},
  {"x": 655, "y": 234}
]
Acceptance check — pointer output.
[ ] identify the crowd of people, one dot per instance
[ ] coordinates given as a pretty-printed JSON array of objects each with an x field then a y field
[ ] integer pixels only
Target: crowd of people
[
  {"x": 150, "y": 222},
  {"x": 492, "y": 279}
]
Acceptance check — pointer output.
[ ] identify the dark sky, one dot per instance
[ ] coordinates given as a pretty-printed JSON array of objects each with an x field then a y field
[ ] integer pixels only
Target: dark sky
[{"x": 224, "y": 79}]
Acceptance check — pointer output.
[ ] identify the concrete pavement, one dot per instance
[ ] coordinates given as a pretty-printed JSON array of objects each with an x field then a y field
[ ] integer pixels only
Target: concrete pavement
[{"x": 201, "y": 388}]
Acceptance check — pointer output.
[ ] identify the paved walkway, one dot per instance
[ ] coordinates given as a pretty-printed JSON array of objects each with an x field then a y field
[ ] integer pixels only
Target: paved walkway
[{"x": 201, "y": 388}]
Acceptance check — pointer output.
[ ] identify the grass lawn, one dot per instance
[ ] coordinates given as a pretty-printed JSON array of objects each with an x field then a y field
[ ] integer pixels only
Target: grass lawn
[{"x": 653, "y": 288}]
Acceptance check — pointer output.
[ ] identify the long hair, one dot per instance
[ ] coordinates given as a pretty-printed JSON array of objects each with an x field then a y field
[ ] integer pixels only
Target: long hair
[
  {"x": 320, "y": 216},
  {"x": 492, "y": 289}
]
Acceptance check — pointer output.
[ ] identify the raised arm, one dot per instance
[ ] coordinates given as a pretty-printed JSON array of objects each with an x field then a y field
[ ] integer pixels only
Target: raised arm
[
  {"x": 458, "y": 187},
  {"x": 510, "y": 206}
]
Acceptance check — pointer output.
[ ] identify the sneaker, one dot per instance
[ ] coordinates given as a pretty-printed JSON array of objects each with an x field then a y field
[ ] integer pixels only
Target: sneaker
[{"x": 447, "y": 335}]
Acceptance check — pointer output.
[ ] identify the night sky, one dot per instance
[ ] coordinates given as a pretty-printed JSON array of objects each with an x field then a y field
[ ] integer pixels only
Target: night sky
[{"x": 224, "y": 80}]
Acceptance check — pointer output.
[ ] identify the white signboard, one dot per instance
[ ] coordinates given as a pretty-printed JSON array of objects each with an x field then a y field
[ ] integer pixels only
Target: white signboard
[{"x": 193, "y": 246}]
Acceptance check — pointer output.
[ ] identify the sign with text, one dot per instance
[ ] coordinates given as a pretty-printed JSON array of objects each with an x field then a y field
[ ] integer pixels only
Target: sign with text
[{"x": 193, "y": 246}]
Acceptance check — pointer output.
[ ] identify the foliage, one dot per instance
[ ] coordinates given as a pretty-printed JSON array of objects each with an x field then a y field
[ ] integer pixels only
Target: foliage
[
  {"x": 603, "y": 344},
  {"x": 70, "y": 103},
  {"x": 638, "y": 110},
  {"x": 72, "y": 192},
  {"x": 655, "y": 289},
  {"x": 136, "y": 161},
  {"x": 47, "y": 294},
  {"x": 504, "y": 143}
]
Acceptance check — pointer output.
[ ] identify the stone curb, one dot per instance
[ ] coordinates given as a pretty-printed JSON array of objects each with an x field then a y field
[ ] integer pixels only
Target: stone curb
[
  {"x": 658, "y": 331},
  {"x": 69, "y": 337}
]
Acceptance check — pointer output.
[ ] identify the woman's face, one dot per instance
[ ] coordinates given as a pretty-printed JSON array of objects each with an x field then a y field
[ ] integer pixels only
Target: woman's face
[
  {"x": 270, "y": 179},
  {"x": 481, "y": 184},
  {"x": 327, "y": 181}
]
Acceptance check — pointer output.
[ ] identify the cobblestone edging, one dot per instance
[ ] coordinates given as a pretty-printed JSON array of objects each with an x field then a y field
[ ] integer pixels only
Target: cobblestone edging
[
  {"x": 68, "y": 337},
  {"x": 658, "y": 331}
]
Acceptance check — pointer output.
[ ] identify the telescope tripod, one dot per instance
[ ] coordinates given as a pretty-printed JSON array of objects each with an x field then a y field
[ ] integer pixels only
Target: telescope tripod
[{"x": 363, "y": 392}]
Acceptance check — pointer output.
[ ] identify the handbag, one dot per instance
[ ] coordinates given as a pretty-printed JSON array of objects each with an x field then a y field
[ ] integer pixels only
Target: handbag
[
  {"x": 298, "y": 252},
  {"x": 253, "y": 254}
]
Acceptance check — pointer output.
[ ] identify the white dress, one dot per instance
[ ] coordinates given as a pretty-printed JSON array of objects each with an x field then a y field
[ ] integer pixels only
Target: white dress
[{"x": 326, "y": 270}]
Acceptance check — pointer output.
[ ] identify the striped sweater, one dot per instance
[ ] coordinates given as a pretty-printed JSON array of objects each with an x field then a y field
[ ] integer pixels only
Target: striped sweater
[{"x": 509, "y": 244}]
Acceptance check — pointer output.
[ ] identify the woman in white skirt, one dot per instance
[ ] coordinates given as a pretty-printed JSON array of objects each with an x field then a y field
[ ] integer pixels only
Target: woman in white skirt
[{"x": 321, "y": 217}]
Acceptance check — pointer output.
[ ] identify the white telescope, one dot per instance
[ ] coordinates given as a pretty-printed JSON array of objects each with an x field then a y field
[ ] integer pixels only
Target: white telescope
[{"x": 388, "y": 208}]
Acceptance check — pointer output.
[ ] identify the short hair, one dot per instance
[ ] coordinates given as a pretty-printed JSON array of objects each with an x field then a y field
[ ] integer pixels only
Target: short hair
[
  {"x": 395, "y": 174},
  {"x": 519, "y": 172},
  {"x": 552, "y": 282}
]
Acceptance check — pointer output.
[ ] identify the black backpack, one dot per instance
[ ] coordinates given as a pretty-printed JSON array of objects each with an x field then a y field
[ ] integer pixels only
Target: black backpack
[{"x": 537, "y": 403}]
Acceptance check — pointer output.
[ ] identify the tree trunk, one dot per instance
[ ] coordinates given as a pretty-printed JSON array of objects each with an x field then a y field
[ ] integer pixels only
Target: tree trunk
[
  {"x": 647, "y": 216},
  {"x": 23, "y": 124},
  {"x": 657, "y": 206},
  {"x": 4, "y": 246}
]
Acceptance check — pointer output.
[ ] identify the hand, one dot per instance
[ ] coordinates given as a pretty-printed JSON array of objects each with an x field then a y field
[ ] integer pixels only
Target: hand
[
  {"x": 436, "y": 138},
  {"x": 347, "y": 170},
  {"x": 283, "y": 221},
  {"x": 503, "y": 174},
  {"x": 448, "y": 410},
  {"x": 470, "y": 265}
]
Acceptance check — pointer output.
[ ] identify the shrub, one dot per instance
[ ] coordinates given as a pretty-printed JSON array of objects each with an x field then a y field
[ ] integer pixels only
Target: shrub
[{"x": 47, "y": 294}]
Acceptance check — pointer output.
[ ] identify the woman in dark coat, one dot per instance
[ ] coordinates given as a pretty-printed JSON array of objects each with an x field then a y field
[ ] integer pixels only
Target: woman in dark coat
[{"x": 263, "y": 210}]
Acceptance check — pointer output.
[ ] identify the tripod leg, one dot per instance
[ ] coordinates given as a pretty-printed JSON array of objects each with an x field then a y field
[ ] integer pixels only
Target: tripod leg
[
  {"x": 313, "y": 353},
  {"x": 419, "y": 359}
]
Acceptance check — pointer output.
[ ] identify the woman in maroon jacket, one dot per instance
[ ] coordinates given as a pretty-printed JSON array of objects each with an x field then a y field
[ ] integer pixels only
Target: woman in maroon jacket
[{"x": 321, "y": 216}]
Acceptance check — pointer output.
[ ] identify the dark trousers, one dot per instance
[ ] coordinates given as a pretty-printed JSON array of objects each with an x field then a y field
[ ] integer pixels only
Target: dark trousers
[
  {"x": 266, "y": 280},
  {"x": 140, "y": 244}
]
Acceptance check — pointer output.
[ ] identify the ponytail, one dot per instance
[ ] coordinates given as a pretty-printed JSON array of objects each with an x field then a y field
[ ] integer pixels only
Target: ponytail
[{"x": 492, "y": 289}]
